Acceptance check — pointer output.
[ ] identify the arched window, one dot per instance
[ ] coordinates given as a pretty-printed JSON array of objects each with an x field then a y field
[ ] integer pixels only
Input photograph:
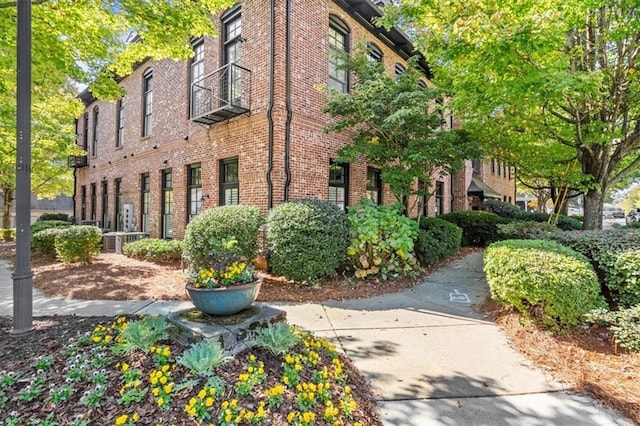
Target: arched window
[
  {"x": 338, "y": 43},
  {"x": 374, "y": 54},
  {"x": 399, "y": 68}
]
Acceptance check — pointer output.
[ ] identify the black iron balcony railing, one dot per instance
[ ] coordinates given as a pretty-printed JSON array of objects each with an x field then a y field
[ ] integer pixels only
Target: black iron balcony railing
[
  {"x": 220, "y": 95},
  {"x": 78, "y": 161}
]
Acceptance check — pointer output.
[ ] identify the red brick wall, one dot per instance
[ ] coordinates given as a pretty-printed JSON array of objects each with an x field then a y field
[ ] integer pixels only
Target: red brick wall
[{"x": 175, "y": 142}]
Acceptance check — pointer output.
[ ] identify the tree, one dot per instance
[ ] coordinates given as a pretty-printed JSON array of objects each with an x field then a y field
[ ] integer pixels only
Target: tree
[
  {"x": 82, "y": 42},
  {"x": 558, "y": 73},
  {"x": 396, "y": 124}
]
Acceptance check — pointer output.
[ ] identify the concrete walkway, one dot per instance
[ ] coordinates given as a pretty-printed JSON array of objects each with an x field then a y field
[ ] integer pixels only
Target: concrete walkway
[{"x": 430, "y": 358}]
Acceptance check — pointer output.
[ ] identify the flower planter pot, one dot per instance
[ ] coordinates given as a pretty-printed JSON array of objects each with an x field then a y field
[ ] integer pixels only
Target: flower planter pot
[{"x": 224, "y": 300}]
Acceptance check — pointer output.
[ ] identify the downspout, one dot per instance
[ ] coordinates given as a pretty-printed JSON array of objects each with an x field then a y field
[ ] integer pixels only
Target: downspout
[
  {"x": 73, "y": 197},
  {"x": 270, "y": 107},
  {"x": 287, "y": 131},
  {"x": 453, "y": 196}
]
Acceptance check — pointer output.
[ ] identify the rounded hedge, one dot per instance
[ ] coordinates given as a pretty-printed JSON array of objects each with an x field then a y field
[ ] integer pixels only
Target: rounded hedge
[
  {"x": 78, "y": 243},
  {"x": 437, "y": 238},
  {"x": 154, "y": 250},
  {"x": 44, "y": 241},
  {"x": 307, "y": 239},
  {"x": 479, "y": 228},
  {"x": 543, "y": 280},
  {"x": 47, "y": 224},
  {"x": 54, "y": 216},
  {"x": 221, "y": 223}
]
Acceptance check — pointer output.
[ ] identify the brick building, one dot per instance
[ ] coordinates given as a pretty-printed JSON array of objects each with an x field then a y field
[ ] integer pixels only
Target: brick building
[{"x": 240, "y": 122}]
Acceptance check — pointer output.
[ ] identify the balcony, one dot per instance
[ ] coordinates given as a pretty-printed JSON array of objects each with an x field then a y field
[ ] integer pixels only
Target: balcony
[
  {"x": 221, "y": 95},
  {"x": 78, "y": 161}
]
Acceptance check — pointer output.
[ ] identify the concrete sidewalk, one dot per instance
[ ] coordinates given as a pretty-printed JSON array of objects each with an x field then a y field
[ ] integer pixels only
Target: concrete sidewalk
[{"x": 430, "y": 358}]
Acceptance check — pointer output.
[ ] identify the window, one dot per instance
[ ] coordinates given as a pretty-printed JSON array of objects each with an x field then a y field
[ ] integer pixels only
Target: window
[
  {"x": 117, "y": 187},
  {"x": 399, "y": 69},
  {"x": 439, "y": 195},
  {"x": 422, "y": 84},
  {"x": 194, "y": 190},
  {"x": 475, "y": 165},
  {"x": 338, "y": 44},
  {"x": 499, "y": 167},
  {"x": 229, "y": 182},
  {"x": 231, "y": 54},
  {"x": 83, "y": 203},
  {"x": 94, "y": 202},
  {"x": 94, "y": 141},
  {"x": 167, "y": 204},
  {"x": 145, "y": 202},
  {"x": 85, "y": 136},
  {"x": 374, "y": 185},
  {"x": 120, "y": 123},
  {"x": 198, "y": 92},
  {"x": 106, "y": 221},
  {"x": 147, "y": 102},
  {"x": 374, "y": 54},
  {"x": 339, "y": 184},
  {"x": 493, "y": 166}
]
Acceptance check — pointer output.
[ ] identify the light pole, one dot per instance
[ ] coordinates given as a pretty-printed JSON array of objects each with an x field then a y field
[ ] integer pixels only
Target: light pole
[{"x": 23, "y": 276}]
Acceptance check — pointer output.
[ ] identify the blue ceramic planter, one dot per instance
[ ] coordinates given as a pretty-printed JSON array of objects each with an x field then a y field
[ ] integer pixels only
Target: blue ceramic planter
[{"x": 224, "y": 300}]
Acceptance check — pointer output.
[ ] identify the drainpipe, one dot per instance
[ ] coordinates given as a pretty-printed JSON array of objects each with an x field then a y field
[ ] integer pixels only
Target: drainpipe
[
  {"x": 453, "y": 196},
  {"x": 270, "y": 107},
  {"x": 287, "y": 131},
  {"x": 75, "y": 191}
]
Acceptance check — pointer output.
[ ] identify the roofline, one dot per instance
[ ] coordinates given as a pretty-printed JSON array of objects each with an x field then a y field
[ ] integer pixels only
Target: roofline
[{"x": 364, "y": 11}]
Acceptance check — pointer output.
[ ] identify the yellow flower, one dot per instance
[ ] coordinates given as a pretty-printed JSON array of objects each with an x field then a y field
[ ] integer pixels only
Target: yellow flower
[
  {"x": 122, "y": 419},
  {"x": 202, "y": 394},
  {"x": 160, "y": 401},
  {"x": 135, "y": 417},
  {"x": 125, "y": 367},
  {"x": 168, "y": 388},
  {"x": 208, "y": 402}
]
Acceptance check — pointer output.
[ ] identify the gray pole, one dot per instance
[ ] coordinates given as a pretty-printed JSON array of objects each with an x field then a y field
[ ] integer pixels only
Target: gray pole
[{"x": 23, "y": 276}]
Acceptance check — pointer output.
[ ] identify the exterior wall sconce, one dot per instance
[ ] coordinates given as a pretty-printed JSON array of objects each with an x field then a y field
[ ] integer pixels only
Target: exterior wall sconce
[
  {"x": 165, "y": 161},
  {"x": 155, "y": 146}
]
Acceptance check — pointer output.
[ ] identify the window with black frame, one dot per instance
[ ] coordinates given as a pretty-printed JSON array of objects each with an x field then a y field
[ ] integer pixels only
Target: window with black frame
[
  {"x": 338, "y": 44},
  {"x": 117, "y": 187},
  {"x": 94, "y": 141},
  {"x": 229, "y": 182},
  {"x": 145, "y": 202},
  {"x": 120, "y": 123},
  {"x": 339, "y": 184},
  {"x": 374, "y": 185},
  {"x": 106, "y": 220},
  {"x": 194, "y": 190},
  {"x": 94, "y": 202},
  {"x": 231, "y": 54},
  {"x": 439, "y": 196},
  {"x": 167, "y": 204},
  {"x": 147, "y": 102}
]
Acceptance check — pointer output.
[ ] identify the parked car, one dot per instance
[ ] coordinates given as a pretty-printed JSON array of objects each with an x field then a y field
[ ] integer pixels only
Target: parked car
[
  {"x": 612, "y": 212},
  {"x": 633, "y": 215}
]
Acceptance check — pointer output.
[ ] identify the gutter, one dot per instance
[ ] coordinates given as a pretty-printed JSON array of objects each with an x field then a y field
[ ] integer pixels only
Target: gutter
[
  {"x": 270, "y": 107},
  {"x": 287, "y": 131}
]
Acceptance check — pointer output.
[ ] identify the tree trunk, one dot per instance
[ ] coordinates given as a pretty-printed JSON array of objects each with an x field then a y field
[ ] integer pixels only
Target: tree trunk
[
  {"x": 593, "y": 200},
  {"x": 7, "y": 202}
]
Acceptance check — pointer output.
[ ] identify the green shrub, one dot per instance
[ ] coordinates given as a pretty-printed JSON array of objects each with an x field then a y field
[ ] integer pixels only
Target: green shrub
[
  {"x": 503, "y": 209},
  {"x": 381, "y": 240},
  {"x": 154, "y": 250},
  {"x": 7, "y": 234},
  {"x": 524, "y": 230},
  {"x": 535, "y": 216},
  {"x": 543, "y": 280},
  {"x": 44, "y": 241},
  {"x": 307, "y": 239},
  {"x": 238, "y": 222},
  {"x": 625, "y": 325},
  {"x": 78, "y": 243},
  {"x": 54, "y": 216},
  {"x": 624, "y": 279},
  {"x": 479, "y": 228},
  {"x": 437, "y": 238},
  {"x": 568, "y": 223},
  {"x": 47, "y": 224}
]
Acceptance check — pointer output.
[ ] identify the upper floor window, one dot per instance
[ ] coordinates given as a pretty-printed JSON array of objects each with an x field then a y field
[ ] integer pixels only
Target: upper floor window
[
  {"x": 229, "y": 182},
  {"x": 198, "y": 92},
  {"x": 85, "y": 135},
  {"x": 374, "y": 185},
  {"x": 232, "y": 36},
  {"x": 147, "y": 101},
  {"x": 338, "y": 43},
  {"x": 475, "y": 165},
  {"x": 94, "y": 141},
  {"x": 339, "y": 184},
  {"x": 439, "y": 196},
  {"x": 399, "y": 68},
  {"x": 120, "y": 123},
  {"x": 374, "y": 54},
  {"x": 422, "y": 84},
  {"x": 194, "y": 193}
]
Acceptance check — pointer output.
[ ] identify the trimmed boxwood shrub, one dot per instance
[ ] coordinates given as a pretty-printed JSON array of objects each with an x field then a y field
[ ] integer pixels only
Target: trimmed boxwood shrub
[
  {"x": 479, "y": 228},
  {"x": 524, "y": 230},
  {"x": 44, "y": 241},
  {"x": 568, "y": 223},
  {"x": 54, "y": 216},
  {"x": 543, "y": 280},
  {"x": 624, "y": 279},
  {"x": 154, "y": 250},
  {"x": 307, "y": 239},
  {"x": 437, "y": 238},
  {"x": 47, "y": 224},
  {"x": 624, "y": 324},
  {"x": 78, "y": 243},
  {"x": 239, "y": 222},
  {"x": 503, "y": 209}
]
